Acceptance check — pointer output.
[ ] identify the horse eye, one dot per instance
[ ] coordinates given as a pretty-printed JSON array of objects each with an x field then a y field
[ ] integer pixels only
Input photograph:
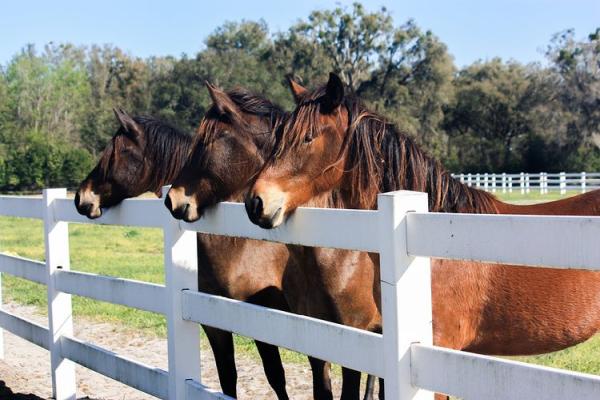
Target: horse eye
[{"x": 308, "y": 138}]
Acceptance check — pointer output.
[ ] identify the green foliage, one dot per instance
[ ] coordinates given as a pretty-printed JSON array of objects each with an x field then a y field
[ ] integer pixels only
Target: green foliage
[
  {"x": 36, "y": 163},
  {"x": 492, "y": 110},
  {"x": 350, "y": 39},
  {"x": 56, "y": 105}
]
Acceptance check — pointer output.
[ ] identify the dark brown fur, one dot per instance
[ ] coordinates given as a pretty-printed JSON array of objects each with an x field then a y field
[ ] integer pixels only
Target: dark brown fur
[
  {"x": 146, "y": 154},
  {"x": 230, "y": 148}
]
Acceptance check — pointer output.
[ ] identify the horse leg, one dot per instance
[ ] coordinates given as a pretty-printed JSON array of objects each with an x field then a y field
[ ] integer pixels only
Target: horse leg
[
  {"x": 321, "y": 379},
  {"x": 370, "y": 389},
  {"x": 221, "y": 343},
  {"x": 350, "y": 384},
  {"x": 273, "y": 367}
]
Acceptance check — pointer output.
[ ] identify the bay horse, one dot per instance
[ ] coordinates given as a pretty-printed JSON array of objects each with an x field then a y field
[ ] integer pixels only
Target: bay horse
[
  {"x": 332, "y": 141},
  {"x": 146, "y": 154},
  {"x": 229, "y": 149}
]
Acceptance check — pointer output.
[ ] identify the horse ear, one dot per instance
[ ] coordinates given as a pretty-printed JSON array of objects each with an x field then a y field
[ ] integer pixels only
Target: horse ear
[
  {"x": 133, "y": 129},
  {"x": 298, "y": 91},
  {"x": 221, "y": 100},
  {"x": 334, "y": 92}
]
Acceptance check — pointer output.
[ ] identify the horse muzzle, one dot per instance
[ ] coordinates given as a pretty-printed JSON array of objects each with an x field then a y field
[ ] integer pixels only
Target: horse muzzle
[
  {"x": 87, "y": 204},
  {"x": 182, "y": 207},
  {"x": 266, "y": 210}
]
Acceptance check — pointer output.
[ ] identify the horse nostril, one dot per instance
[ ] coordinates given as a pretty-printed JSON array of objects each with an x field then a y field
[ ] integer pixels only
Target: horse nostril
[
  {"x": 257, "y": 206},
  {"x": 84, "y": 209},
  {"x": 178, "y": 212},
  {"x": 168, "y": 202},
  {"x": 77, "y": 198}
]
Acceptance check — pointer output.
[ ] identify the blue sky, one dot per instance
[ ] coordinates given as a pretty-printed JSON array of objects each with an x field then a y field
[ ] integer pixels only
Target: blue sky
[{"x": 472, "y": 29}]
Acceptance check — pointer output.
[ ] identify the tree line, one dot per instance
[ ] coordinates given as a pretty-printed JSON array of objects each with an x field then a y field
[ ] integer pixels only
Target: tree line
[{"x": 495, "y": 116}]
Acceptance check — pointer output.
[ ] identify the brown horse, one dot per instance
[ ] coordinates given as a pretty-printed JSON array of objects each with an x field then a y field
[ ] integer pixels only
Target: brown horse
[
  {"x": 332, "y": 142},
  {"x": 229, "y": 150},
  {"x": 333, "y": 284},
  {"x": 146, "y": 154}
]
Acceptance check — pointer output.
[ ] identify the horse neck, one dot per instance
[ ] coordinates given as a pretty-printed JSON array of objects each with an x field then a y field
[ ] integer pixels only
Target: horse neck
[{"x": 406, "y": 167}]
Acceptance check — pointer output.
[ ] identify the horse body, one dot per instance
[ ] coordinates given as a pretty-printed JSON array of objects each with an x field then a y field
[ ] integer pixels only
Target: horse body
[
  {"x": 246, "y": 140},
  {"x": 146, "y": 154},
  {"x": 544, "y": 309},
  {"x": 500, "y": 309},
  {"x": 331, "y": 143}
]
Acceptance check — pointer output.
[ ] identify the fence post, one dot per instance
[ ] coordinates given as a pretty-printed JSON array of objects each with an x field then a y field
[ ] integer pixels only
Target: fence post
[
  {"x": 462, "y": 178},
  {"x": 469, "y": 180},
  {"x": 478, "y": 180},
  {"x": 493, "y": 183},
  {"x": 405, "y": 294},
  {"x": 510, "y": 185},
  {"x": 504, "y": 182},
  {"x": 522, "y": 182},
  {"x": 527, "y": 182},
  {"x": 485, "y": 181},
  {"x": 563, "y": 183},
  {"x": 583, "y": 182},
  {"x": 181, "y": 265},
  {"x": 60, "y": 321}
]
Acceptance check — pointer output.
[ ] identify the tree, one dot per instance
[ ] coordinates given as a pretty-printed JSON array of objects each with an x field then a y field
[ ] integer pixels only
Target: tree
[
  {"x": 295, "y": 54},
  {"x": 116, "y": 79},
  {"x": 492, "y": 112},
  {"x": 577, "y": 68},
  {"x": 56, "y": 105},
  {"x": 236, "y": 55},
  {"x": 351, "y": 39},
  {"x": 412, "y": 84}
]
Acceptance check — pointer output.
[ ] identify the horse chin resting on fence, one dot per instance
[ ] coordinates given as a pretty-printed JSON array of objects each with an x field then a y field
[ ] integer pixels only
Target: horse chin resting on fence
[
  {"x": 146, "y": 154},
  {"x": 331, "y": 142}
]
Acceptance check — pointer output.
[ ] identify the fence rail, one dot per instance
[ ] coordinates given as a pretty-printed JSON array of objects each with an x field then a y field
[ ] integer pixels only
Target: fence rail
[
  {"x": 526, "y": 182},
  {"x": 401, "y": 231}
]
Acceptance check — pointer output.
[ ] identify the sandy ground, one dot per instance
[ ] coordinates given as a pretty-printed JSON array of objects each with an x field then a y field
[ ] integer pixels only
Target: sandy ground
[{"x": 25, "y": 369}]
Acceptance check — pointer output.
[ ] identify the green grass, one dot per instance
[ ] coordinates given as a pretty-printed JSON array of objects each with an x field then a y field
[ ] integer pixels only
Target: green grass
[
  {"x": 534, "y": 196},
  {"x": 133, "y": 253},
  {"x": 114, "y": 251},
  {"x": 584, "y": 357},
  {"x": 137, "y": 253}
]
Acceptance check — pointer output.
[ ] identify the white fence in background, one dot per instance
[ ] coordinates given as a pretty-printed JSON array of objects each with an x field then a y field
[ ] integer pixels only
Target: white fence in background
[
  {"x": 402, "y": 232},
  {"x": 526, "y": 182}
]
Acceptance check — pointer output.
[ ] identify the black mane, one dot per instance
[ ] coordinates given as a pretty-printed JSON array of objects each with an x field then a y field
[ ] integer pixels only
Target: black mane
[
  {"x": 249, "y": 103},
  {"x": 166, "y": 146}
]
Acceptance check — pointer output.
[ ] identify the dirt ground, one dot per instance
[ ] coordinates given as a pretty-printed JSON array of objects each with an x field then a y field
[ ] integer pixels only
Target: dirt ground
[{"x": 25, "y": 369}]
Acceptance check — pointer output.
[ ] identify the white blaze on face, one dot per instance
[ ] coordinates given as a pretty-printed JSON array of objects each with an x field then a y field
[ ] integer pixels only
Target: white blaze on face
[{"x": 87, "y": 196}]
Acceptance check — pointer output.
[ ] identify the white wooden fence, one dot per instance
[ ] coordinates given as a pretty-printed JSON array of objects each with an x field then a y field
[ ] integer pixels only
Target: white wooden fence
[
  {"x": 526, "y": 182},
  {"x": 402, "y": 232}
]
